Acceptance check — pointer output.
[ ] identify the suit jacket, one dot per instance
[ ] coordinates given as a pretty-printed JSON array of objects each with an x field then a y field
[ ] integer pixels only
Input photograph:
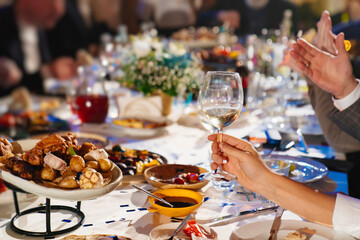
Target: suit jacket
[
  {"x": 10, "y": 46},
  {"x": 341, "y": 137},
  {"x": 251, "y": 21},
  {"x": 348, "y": 119},
  {"x": 71, "y": 33}
]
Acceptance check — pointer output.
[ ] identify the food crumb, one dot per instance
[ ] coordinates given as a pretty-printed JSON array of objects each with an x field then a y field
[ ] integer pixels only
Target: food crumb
[{"x": 295, "y": 236}]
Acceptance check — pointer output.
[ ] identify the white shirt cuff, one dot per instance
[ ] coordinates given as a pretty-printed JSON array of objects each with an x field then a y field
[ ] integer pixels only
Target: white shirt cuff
[
  {"x": 347, "y": 101},
  {"x": 346, "y": 216}
]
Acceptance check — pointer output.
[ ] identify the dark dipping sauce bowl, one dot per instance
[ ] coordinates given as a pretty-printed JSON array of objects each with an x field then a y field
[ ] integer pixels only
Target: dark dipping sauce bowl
[
  {"x": 185, "y": 202},
  {"x": 178, "y": 202}
]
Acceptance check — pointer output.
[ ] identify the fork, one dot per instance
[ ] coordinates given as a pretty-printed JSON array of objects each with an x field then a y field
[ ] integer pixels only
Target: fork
[{"x": 182, "y": 224}]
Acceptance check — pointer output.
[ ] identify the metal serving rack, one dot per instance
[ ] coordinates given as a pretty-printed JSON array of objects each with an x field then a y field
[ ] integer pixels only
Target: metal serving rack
[{"x": 48, "y": 233}]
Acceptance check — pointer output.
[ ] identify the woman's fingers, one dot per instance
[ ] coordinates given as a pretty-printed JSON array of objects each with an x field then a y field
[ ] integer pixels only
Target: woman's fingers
[
  {"x": 214, "y": 166},
  {"x": 215, "y": 147},
  {"x": 218, "y": 158},
  {"x": 233, "y": 151},
  {"x": 235, "y": 142}
]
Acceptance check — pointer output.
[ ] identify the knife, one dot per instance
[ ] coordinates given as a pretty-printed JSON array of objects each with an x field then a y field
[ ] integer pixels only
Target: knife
[
  {"x": 276, "y": 224},
  {"x": 254, "y": 211}
]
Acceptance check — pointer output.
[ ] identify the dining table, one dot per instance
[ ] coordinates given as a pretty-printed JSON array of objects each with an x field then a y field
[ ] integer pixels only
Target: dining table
[{"x": 124, "y": 212}]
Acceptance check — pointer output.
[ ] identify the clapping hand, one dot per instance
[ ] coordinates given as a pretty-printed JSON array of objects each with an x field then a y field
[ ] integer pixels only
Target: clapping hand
[{"x": 331, "y": 73}]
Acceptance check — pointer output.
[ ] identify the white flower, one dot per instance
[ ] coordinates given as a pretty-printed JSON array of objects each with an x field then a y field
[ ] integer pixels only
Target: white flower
[
  {"x": 141, "y": 48},
  {"x": 176, "y": 49}
]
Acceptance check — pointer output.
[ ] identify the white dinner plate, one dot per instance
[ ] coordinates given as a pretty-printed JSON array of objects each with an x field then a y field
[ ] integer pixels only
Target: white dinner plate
[
  {"x": 146, "y": 132},
  {"x": 261, "y": 231},
  {"x": 143, "y": 132},
  {"x": 75, "y": 195},
  {"x": 307, "y": 170}
]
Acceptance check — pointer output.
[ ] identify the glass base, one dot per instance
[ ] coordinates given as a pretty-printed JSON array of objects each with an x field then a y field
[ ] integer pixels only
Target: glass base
[{"x": 222, "y": 184}]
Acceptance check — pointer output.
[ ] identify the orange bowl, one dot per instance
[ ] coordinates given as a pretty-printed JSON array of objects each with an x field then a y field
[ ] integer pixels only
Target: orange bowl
[{"x": 175, "y": 193}]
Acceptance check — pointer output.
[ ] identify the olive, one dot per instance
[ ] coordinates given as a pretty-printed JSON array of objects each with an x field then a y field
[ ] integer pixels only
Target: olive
[
  {"x": 118, "y": 148},
  {"x": 129, "y": 162},
  {"x": 130, "y": 171},
  {"x": 122, "y": 166},
  {"x": 132, "y": 167}
]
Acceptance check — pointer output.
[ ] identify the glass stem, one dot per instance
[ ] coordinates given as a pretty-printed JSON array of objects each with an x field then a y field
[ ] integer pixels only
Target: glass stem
[{"x": 220, "y": 167}]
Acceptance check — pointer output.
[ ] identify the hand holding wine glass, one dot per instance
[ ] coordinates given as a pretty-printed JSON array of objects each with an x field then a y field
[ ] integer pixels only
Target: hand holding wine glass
[{"x": 221, "y": 101}]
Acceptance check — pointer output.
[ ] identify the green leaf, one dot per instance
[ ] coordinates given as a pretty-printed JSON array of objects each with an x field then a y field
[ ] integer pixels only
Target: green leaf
[{"x": 72, "y": 151}]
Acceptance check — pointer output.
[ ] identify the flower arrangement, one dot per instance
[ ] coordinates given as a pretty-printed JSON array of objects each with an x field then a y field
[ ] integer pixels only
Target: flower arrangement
[{"x": 155, "y": 68}]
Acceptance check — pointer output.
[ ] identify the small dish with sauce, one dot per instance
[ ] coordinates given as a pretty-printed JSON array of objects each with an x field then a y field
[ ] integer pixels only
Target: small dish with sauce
[
  {"x": 184, "y": 201},
  {"x": 163, "y": 176}
]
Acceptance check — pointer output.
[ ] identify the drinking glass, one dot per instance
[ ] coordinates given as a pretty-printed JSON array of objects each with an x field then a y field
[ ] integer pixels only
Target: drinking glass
[{"x": 221, "y": 101}]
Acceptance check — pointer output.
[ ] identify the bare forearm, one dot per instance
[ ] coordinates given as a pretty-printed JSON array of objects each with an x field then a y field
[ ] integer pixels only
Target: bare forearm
[{"x": 298, "y": 198}]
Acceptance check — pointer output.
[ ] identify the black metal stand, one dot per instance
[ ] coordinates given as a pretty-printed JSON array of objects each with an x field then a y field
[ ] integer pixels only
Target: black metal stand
[{"x": 47, "y": 208}]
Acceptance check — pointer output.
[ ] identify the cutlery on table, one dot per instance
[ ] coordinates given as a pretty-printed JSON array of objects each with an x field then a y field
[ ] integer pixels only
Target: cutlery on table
[
  {"x": 182, "y": 224},
  {"x": 152, "y": 195},
  {"x": 276, "y": 224},
  {"x": 243, "y": 213}
]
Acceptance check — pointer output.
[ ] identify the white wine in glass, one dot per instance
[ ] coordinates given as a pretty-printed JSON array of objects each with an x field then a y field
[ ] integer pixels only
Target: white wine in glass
[{"x": 221, "y": 101}]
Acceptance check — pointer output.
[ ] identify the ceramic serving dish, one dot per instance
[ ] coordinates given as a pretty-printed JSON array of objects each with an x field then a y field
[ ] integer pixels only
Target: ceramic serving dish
[{"x": 161, "y": 176}]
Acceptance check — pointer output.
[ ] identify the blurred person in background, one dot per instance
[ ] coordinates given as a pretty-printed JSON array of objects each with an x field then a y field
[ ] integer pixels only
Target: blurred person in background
[
  {"x": 116, "y": 12},
  {"x": 76, "y": 30},
  {"x": 85, "y": 21},
  {"x": 171, "y": 16},
  {"x": 23, "y": 41},
  {"x": 333, "y": 96},
  {"x": 248, "y": 16}
]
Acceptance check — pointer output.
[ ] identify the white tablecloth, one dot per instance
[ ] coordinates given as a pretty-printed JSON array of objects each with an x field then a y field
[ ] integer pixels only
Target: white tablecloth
[{"x": 123, "y": 211}]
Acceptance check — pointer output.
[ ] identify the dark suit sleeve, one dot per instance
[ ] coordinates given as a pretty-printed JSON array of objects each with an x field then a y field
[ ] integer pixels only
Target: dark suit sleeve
[
  {"x": 351, "y": 29},
  {"x": 348, "y": 119},
  {"x": 209, "y": 18}
]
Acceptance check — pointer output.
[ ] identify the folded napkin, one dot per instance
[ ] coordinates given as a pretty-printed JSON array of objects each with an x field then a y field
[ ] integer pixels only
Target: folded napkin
[{"x": 141, "y": 107}]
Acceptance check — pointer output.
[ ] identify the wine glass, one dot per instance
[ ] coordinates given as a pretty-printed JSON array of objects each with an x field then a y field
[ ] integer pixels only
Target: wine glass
[{"x": 221, "y": 101}]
